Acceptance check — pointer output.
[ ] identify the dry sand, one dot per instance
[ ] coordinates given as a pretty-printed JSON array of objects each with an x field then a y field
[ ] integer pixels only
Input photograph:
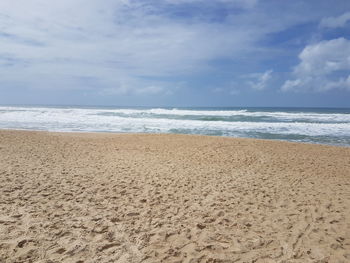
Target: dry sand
[{"x": 171, "y": 198}]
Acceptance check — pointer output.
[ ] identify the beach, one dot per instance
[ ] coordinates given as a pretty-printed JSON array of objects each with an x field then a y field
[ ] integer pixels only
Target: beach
[{"x": 98, "y": 197}]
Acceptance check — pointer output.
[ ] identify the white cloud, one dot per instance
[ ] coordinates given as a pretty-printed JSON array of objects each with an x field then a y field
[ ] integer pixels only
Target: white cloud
[
  {"x": 260, "y": 80},
  {"x": 108, "y": 41},
  {"x": 234, "y": 92},
  {"x": 125, "y": 46},
  {"x": 217, "y": 90},
  {"x": 334, "y": 22},
  {"x": 134, "y": 86},
  {"x": 324, "y": 66},
  {"x": 239, "y": 3},
  {"x": 150, "y": 90}
]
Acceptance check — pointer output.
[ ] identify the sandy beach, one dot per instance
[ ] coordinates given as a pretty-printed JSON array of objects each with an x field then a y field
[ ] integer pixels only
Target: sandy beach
[{"x": 73, "y": 197}]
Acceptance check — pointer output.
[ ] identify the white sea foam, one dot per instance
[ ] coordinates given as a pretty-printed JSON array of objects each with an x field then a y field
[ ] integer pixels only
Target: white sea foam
[
  {"x": 282, "y": 116},
  {"x": 69, "y": 119}
]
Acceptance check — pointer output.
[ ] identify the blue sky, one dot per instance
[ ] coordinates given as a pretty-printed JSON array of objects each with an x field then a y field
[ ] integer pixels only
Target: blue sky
[{"x": 175, "y": 52}]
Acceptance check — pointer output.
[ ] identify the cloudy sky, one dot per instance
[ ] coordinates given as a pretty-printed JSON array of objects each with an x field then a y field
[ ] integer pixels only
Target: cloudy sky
[{"x": 175, "y": 52}]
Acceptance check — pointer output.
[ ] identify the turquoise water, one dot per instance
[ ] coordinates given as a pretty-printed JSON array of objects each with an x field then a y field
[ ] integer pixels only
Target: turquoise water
[{"x": 312, "y": 125}]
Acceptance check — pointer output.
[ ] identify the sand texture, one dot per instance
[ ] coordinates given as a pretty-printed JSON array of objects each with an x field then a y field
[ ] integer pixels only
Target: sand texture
[{"x": 69, "y": 197}]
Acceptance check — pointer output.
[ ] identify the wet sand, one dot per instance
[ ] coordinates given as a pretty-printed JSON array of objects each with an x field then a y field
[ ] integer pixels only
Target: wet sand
[{"x": 70, "y": 197}]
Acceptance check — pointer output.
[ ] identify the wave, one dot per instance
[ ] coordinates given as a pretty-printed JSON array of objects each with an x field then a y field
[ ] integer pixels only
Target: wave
[
  {"x": 209, "y": 115},
  {"x": 55, "y": 119}
]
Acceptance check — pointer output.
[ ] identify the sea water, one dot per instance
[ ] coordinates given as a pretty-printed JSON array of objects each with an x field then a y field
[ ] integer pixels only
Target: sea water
[{"x": 312, "y": 125}]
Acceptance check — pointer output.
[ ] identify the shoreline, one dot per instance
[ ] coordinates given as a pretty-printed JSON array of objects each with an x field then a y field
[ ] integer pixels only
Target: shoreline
[
  {"x": 179, "y": 134},
  {"x": 106, "y": 197}
]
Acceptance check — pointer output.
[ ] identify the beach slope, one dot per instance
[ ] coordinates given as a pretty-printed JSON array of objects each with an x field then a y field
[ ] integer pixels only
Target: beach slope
[{"x": 72, "y": 197}]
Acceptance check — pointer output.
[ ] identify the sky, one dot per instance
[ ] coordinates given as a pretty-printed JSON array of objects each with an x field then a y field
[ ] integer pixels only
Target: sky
[{"x": 175, "y": 52}]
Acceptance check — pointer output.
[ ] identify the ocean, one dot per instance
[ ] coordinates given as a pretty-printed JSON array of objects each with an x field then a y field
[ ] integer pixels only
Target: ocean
[{"x": 310, "y": 125}]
